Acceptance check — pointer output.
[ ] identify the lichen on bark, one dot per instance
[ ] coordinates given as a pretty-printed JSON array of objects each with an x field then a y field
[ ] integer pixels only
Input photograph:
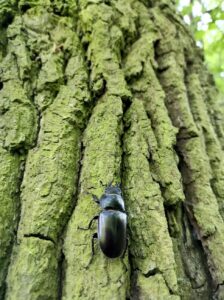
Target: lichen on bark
[
  {"x": 101, "y": 165},
  {"x": 145, "y": 210},
  {"x": 42, "y": 257},
  {"x": 201, "y": 203},
  {"x": 9, "y": 195},
  {"x": 52, "y": 164}
]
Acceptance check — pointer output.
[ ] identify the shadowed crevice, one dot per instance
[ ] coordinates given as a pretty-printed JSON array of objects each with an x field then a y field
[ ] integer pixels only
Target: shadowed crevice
[
  {"x": 152, "y": 272},
  {"x": 188, "y": 251},
  {"x": 61, "y": 275},
  {"x": 39, "y": 236},
  {"x": 24, "y": 8}
]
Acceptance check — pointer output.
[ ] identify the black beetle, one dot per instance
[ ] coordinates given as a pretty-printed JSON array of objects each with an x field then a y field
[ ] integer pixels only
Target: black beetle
[{"x": 112, "y": 223}]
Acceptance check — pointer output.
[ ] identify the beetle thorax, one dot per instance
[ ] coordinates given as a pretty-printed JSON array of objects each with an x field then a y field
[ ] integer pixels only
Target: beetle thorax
[{"x": 112, "y": 201}]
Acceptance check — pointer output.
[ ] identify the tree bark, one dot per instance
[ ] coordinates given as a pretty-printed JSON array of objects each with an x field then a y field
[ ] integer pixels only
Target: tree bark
[{"x": 93, "y": 92}]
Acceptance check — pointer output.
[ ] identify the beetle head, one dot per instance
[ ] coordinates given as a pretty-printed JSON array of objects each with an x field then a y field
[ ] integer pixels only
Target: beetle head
[{"x": 113, "y": 189}]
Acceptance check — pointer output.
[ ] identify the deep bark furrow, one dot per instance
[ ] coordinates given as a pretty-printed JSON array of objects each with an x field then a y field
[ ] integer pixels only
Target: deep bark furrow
[
  {"x": 193, "y": 276},
  {"x": 62, "y": 261},
  {"x": 38, "y": 236},
  {"x": 7, "y": 12},
  {"x": 195, "y": 168},
  {"x": 3, "y": 46},
  {"x": 147, "y": 252}
]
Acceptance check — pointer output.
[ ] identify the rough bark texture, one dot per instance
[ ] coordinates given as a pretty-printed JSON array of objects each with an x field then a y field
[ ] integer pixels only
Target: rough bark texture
[{"x": 95, "y": 91}]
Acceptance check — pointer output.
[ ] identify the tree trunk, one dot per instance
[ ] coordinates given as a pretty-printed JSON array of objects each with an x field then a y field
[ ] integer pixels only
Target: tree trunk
[{"x": 94, "y": 92}]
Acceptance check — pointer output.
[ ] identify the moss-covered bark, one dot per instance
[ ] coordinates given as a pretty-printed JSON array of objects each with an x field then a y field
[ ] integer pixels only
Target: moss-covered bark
[
  {"x": 101, "y": 164},
  {"x": 93, "y": 92}
]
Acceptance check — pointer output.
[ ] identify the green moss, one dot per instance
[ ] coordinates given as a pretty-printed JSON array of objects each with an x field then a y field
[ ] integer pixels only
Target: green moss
[
  {"x": 151, "y": 246},
  {"x": 18, "y": 129},
  {"x": 181, "y": 115},
  {"x": 215, "y": 110},
  {"x": 34, "y": 277},
  {"x": 59, "y": 88},
  {"x": 9, "y": 213},
  {"x": 204, "y": 203},
  {"x": 49, "y": 38},
  {"x": 213, "y": 101},
  {"x": 203, "y": 121},
  {"x": 19, "y": 116},
  {"x": 50, "y": 175},
  {"x": 103, "y": 50},
  {"x": 153, "y": 288},
  {"x": 52, "y": 166},
  {"x": 62, "y": 8},
  {"x": 101, "y": 163},
  {"x": 46, "y": 88},
  {"x": 202, "y": 206},
  {"x": 126, "y": 18},
  {"x": 146, "y": 87}
]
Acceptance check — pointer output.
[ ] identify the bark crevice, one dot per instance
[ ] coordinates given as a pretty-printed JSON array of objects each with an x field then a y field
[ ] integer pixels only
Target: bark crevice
[{"x": 39, "y": 236}]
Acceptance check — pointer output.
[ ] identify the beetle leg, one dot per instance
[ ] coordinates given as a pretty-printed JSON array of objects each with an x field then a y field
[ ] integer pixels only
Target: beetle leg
[
  {"x": 94, "y": 237},
  {"x": 96, "y": 199},
  {"x": 90, "y": 223},
  {"x": 126, "y": 247},
  {"x": 110, "y": 184},
  {"x": 123, "y": 255},
  {"x": 118, "y": 185}
]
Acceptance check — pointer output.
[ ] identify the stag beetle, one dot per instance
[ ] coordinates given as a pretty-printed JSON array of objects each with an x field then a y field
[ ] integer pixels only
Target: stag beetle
[{"x": 112, "y": 223}]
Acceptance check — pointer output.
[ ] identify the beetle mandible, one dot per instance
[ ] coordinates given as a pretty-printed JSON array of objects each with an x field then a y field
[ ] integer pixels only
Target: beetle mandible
[{"x": 112, "y": 223}]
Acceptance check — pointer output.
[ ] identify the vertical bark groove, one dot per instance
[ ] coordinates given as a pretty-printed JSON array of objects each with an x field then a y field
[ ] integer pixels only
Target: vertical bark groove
[{"x": 203, "y": 210}]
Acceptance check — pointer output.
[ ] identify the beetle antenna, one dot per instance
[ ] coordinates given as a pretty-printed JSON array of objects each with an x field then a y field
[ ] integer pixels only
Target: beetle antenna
[
  {"x": 106, "y": 185},
  {"x": 110, "y": 184},
  {"x": 188, "y": 203}
]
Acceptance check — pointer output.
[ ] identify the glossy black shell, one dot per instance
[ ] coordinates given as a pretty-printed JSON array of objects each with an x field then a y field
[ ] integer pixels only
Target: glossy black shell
[{"x": 112, "y": 226}]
